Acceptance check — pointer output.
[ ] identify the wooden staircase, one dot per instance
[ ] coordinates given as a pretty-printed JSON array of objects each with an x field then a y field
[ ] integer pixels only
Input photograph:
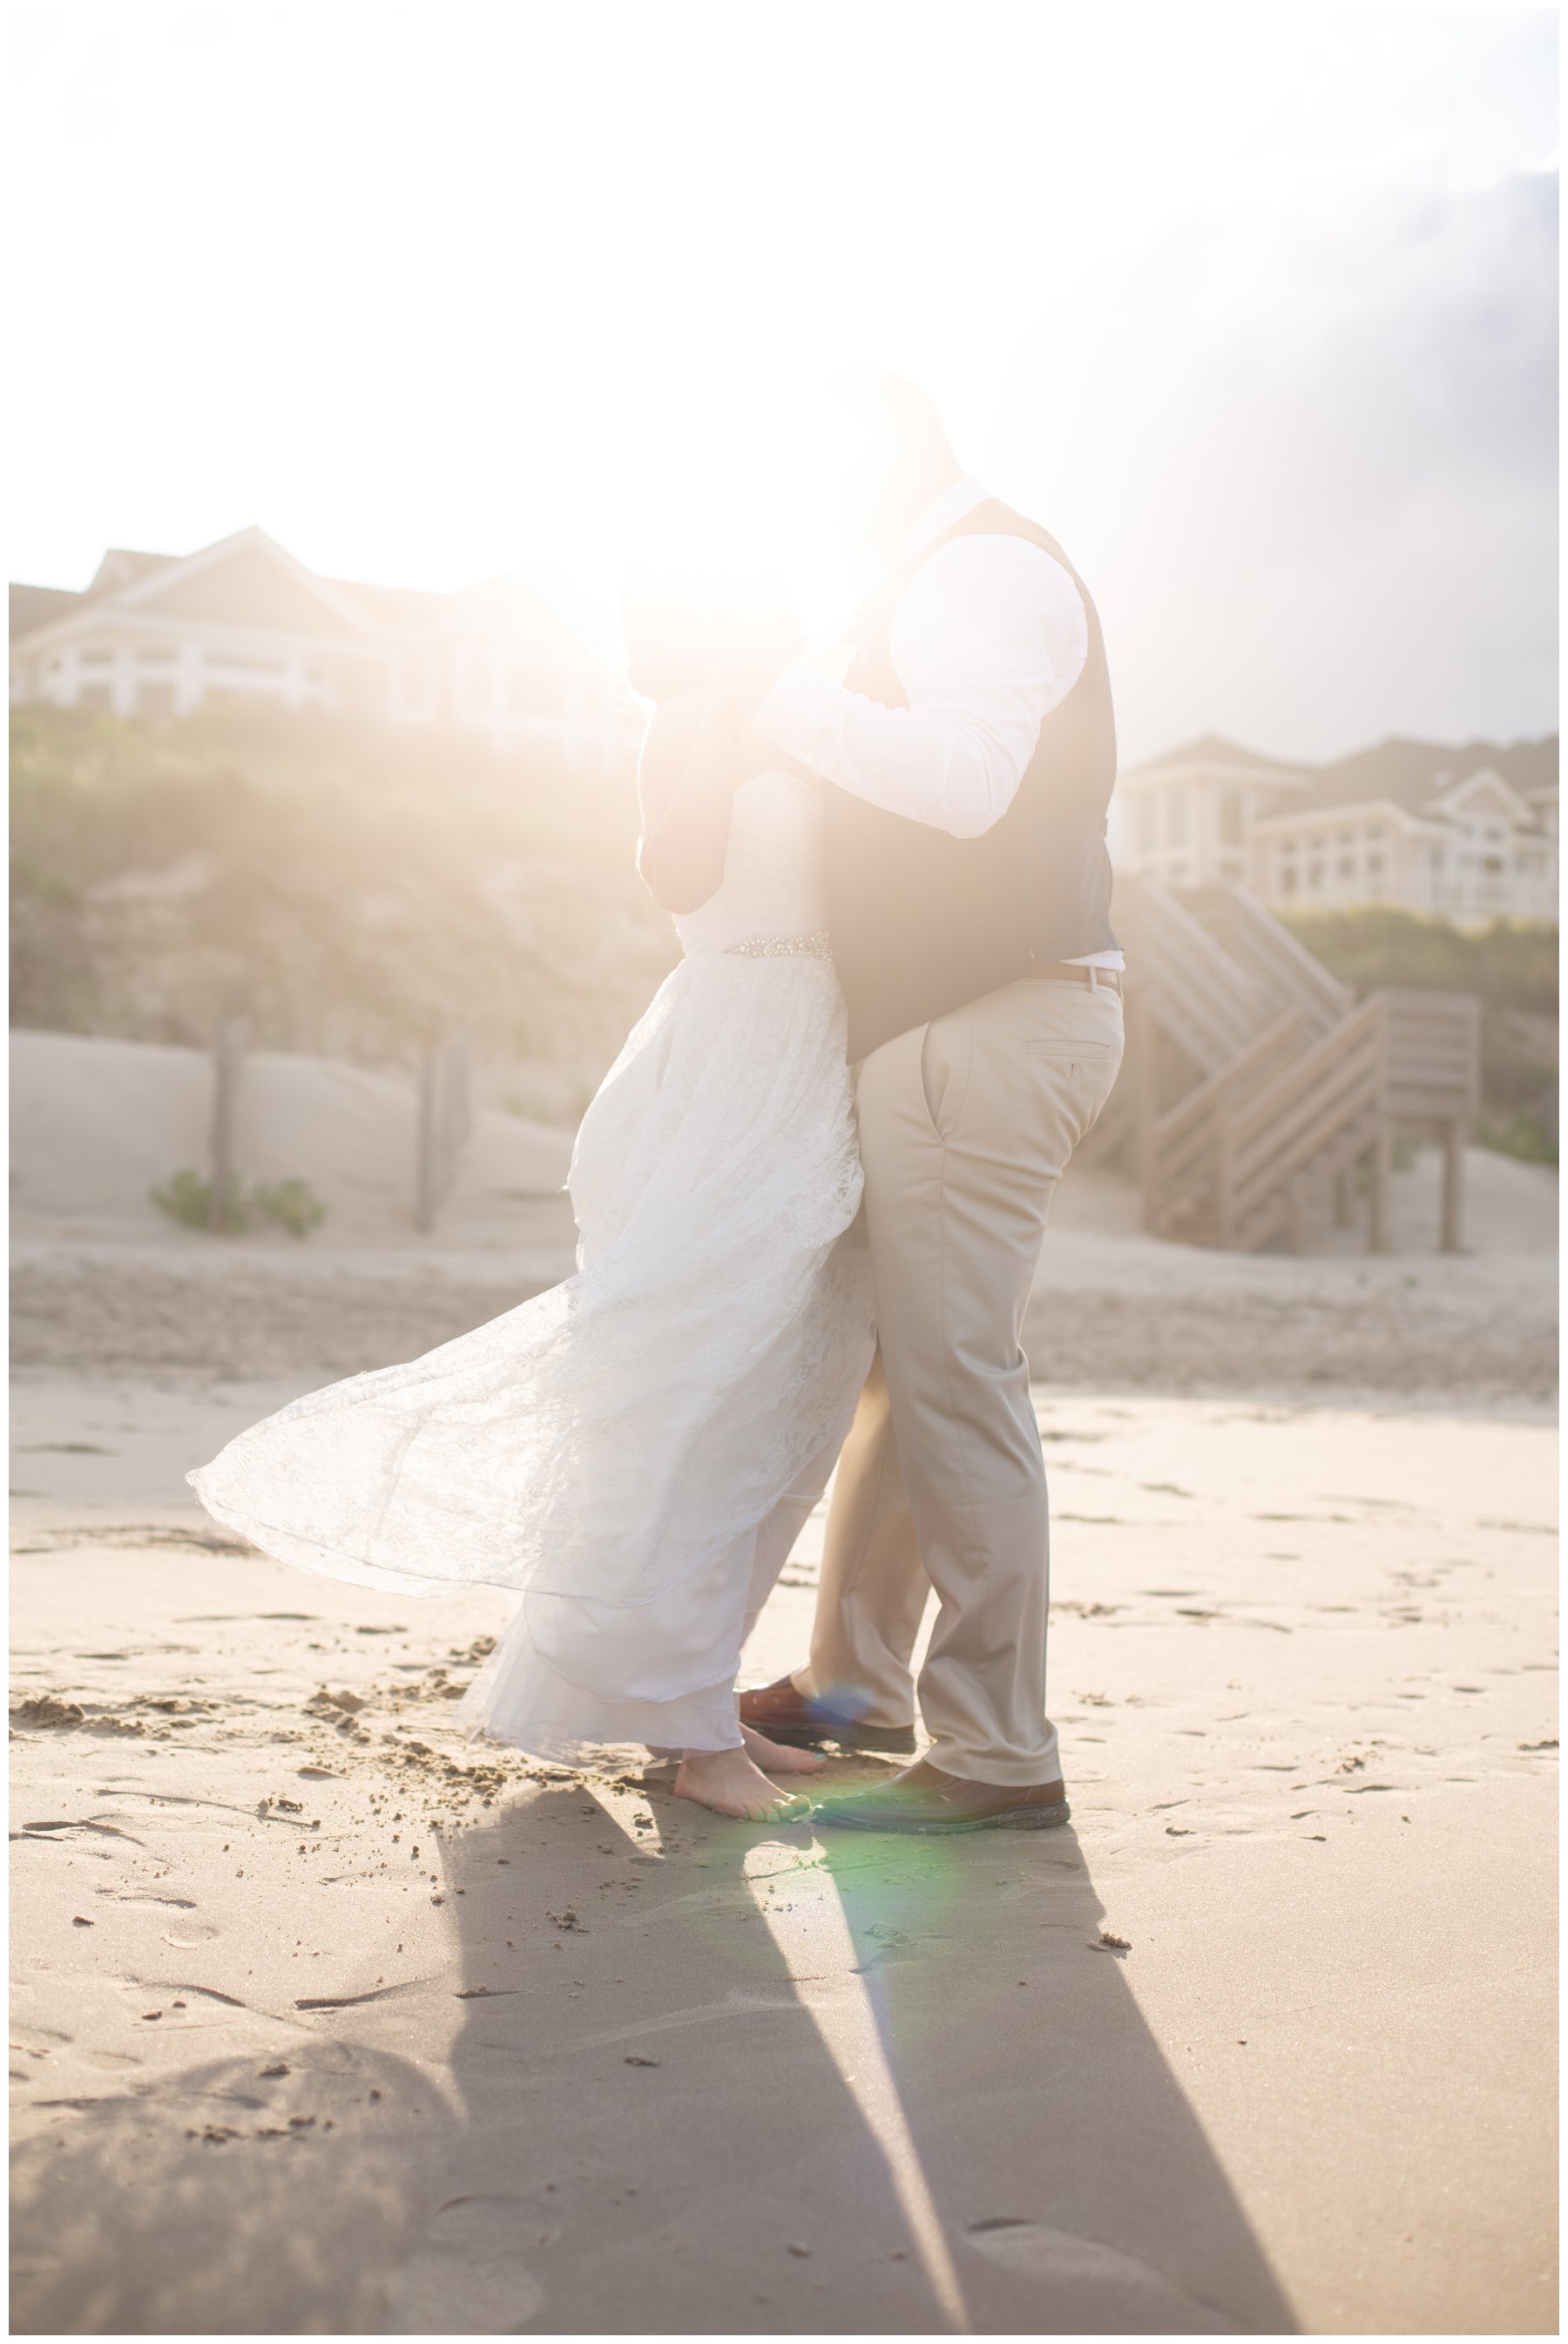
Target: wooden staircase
[
  {"x": 1260, "y": 1091},
  {"x": 1305, "y": 1127},
  {"x": 1205, "y": 1006},
  {"x": 1282, "y": 970}
]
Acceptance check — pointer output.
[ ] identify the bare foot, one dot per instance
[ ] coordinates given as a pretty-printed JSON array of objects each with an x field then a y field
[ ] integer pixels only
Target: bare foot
[
  {"x": 728, "y": 1782},
  {"x": 777, "y": 1759}
]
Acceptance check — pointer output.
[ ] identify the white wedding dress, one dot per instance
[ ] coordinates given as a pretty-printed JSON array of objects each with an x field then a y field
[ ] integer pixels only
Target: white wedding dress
[{"x": 635, "y": 1451}]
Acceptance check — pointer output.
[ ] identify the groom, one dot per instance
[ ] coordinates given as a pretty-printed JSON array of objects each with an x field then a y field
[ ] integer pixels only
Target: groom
[{"x": 970, "y": 754}]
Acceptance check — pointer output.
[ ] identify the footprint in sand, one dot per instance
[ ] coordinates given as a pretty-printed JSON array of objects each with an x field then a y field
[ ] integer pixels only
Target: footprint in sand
[
  {"x": 1131, "y": 2294},
  {"x": 148, "y": 1896}
]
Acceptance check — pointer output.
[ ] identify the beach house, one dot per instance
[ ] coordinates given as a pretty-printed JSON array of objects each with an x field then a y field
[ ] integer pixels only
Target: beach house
[
  {"x": 161, "y": 634},
  {"x": 1468, "y": 834}
]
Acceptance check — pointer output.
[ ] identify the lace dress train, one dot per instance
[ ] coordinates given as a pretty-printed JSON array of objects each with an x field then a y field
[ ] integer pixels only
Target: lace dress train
[{"x": 632, "y": 1452}]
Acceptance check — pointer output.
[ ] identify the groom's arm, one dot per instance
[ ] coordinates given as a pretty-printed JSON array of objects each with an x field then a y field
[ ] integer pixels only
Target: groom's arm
[{"x": 988, "y": 637}]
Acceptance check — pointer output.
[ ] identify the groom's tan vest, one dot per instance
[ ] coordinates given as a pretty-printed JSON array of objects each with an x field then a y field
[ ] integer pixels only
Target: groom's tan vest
[{"x": 922, "y": 922}]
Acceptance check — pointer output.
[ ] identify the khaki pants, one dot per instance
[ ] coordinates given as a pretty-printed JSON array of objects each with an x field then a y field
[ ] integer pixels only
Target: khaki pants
[{"x": 966, "y": 1126}]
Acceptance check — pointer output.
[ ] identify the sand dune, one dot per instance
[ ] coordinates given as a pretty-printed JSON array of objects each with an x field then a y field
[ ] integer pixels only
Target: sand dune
[
  {"x": 96, "y": 1125},
  {"x": 101, "y": 1276}
]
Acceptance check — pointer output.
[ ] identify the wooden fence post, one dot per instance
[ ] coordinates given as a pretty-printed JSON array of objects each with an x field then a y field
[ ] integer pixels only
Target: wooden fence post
[
  {"x": 459, "y": 1114},
  {"x": 425, "y": 1141},
  {"x": 1296, "y": 1212},
  {"x": 1225, "y": 1184},
  {"x": 1378, "y": 1236},
  {"x": 1382, "y": 1167},
  {"x": 444, "y": 1121},
  {"x": 228, "y": 1059},
  {"x": 1146, "y": 1105},
  {"x": 1454, "y": 1138}
]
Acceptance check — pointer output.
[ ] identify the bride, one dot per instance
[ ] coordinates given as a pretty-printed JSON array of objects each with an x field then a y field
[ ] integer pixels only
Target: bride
[{"x": 635, "y": 1451}]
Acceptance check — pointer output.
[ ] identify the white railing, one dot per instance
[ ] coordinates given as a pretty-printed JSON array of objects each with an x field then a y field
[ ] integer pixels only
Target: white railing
[
  {"x": 1181, "y": 1152},
  {"x": 1321, "y": 1109},
  {"x": 1288, "y": 973},
  {"x": 1434, "y": 1053},
  {"x": 1196, "y": 993}
]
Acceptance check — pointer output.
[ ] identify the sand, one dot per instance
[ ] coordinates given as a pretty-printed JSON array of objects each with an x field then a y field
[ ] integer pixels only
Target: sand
[{"x": 324, "y": 2022}]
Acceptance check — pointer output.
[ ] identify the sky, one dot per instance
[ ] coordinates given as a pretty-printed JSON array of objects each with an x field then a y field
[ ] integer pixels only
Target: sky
[{"x": 1254, "y": 308}]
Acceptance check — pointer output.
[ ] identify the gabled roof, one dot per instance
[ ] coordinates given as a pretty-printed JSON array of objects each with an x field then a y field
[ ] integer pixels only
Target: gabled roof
[
  {"x": 1213, "y": 749},
  {"x": 250, "y": 579},
  {"x": 1449, "y": 797},
  {"x": 1413, "y": 774},
  {"x": 247, "y": 579},
  {"x": 266, "y": 586},
  {"x": 1409, "y": 774},
  {"x": 122, "y": 567},
  {"x": 389, "y": 605}
]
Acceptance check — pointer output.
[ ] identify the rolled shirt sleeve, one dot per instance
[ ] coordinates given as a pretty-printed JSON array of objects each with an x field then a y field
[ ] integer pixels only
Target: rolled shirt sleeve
[{"x": 988, "y": 637}]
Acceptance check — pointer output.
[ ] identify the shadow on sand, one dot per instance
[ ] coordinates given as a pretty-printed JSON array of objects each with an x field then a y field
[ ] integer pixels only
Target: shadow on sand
[
  {"x": 760, "y": 2080},
  {"x": 700, "y": 2078}
]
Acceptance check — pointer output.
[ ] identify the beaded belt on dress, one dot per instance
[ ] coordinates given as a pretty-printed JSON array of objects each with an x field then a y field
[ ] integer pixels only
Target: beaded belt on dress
[{"x": 812, "y": 947}]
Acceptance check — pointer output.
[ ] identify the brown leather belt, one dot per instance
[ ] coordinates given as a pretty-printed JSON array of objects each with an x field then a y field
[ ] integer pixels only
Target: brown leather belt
[{"x": 1076, "y": 974}]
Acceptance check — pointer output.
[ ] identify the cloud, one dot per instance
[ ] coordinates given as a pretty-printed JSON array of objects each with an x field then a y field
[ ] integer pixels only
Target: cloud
[{"x": 1335, "y": 516}]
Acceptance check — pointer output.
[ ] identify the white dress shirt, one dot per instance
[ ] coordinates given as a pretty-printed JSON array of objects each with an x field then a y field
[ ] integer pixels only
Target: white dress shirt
[{"x": 987, "y": 638}]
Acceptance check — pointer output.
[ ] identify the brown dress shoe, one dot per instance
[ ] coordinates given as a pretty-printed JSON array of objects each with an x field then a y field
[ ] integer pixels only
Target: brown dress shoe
[
  {"x": 786, "y": 1715},
  {"x": 923, "y": 1799}
]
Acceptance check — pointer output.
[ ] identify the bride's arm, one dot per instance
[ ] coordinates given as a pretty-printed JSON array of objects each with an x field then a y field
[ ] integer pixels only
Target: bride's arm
[{"x": 686, "y": 779}]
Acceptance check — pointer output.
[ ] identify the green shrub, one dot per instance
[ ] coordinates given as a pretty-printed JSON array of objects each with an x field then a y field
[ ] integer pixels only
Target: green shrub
[
  {"x": 1512, "y": 964},
  {"x": 1523, "y": 1135},
  {"x": 186, "y": 1197},
  {"x": 292, "y": 1205}
]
